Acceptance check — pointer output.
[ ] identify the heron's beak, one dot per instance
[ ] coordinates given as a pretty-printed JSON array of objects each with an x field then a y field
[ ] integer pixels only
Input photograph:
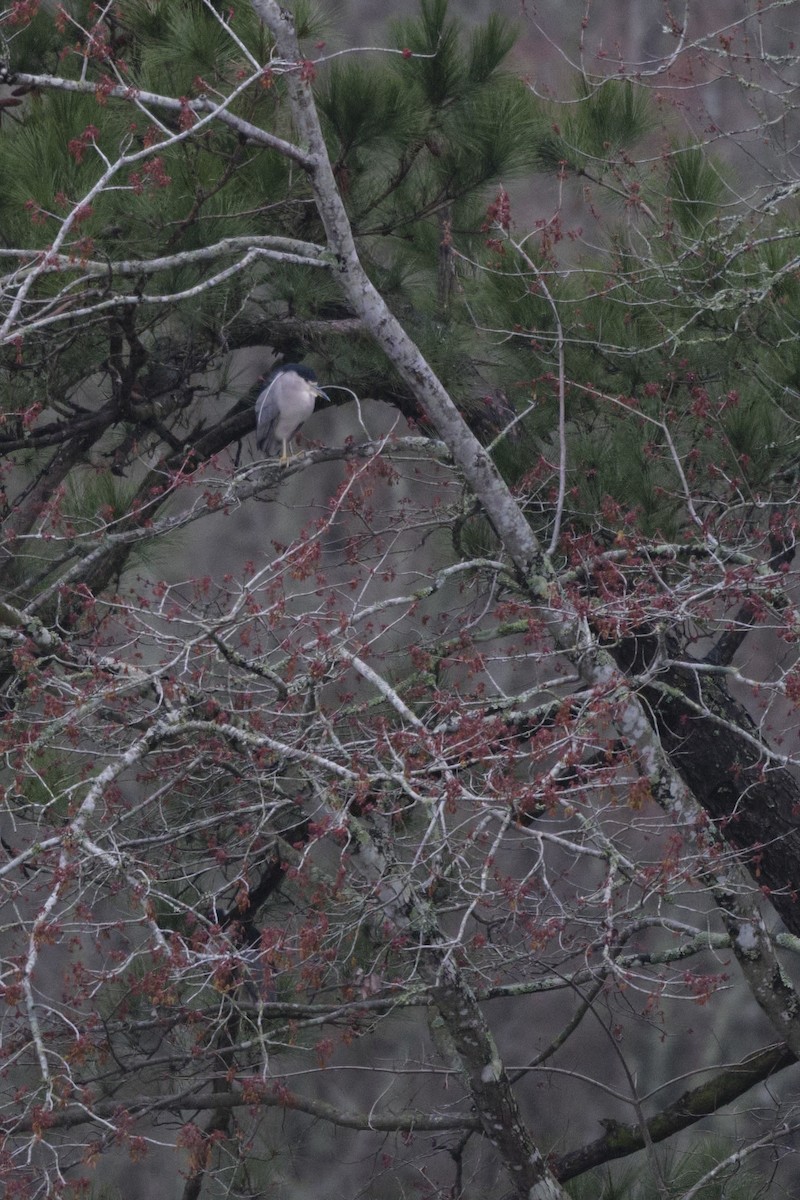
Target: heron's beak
[{"x": 319, "y": 392}]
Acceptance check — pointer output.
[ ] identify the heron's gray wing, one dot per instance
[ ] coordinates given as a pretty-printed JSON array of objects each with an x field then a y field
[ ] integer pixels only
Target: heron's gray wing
[{"x": 267, "y": 413}]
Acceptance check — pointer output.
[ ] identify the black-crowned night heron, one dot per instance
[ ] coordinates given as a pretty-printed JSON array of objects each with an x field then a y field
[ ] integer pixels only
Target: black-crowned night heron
[{"x": 285, "y": 403}]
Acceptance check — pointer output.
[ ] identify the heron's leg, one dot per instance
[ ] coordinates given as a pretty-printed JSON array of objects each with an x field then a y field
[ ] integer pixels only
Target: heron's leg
[{"x": 284, "y": 453}]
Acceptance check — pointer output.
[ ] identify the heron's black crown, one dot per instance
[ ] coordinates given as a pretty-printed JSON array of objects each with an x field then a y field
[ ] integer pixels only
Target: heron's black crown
[{"x": 299, "y": 369}]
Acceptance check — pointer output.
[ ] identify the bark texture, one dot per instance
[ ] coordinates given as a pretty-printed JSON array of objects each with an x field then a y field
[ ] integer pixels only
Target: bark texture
[{"x": 716, "y": 746}]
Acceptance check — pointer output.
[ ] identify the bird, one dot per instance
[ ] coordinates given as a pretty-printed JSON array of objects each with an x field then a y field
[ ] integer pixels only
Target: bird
[{"x": 281, "y": 408}]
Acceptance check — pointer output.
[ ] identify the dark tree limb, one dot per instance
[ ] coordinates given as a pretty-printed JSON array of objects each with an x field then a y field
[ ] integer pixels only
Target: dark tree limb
[
  {"x": 620, "y": 1140},
  {"x": 753, "y": 801}
]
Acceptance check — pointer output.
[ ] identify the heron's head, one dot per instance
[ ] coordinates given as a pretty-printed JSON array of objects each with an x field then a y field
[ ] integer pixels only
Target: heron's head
[{"x": 299, "y": 378}]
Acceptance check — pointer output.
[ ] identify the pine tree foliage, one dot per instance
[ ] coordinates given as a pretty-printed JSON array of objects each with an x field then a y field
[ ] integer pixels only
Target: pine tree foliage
[
  {"x": 605, "y": 119},
  {"x": 414, "y": 141},
  {"x": 681, "y": 1172}
]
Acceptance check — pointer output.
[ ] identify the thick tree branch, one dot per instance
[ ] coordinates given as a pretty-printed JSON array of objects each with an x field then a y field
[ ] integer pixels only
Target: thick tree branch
[
  {"x": 146, "y": 99},
  {"x": 275, "y": 1095},
  {"x": 621, "y": 1140}
]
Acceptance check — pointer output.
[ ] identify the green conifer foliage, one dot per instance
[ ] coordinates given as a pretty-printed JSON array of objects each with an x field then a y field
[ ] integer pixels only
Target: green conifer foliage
[{"x": 680, "y": 300}]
